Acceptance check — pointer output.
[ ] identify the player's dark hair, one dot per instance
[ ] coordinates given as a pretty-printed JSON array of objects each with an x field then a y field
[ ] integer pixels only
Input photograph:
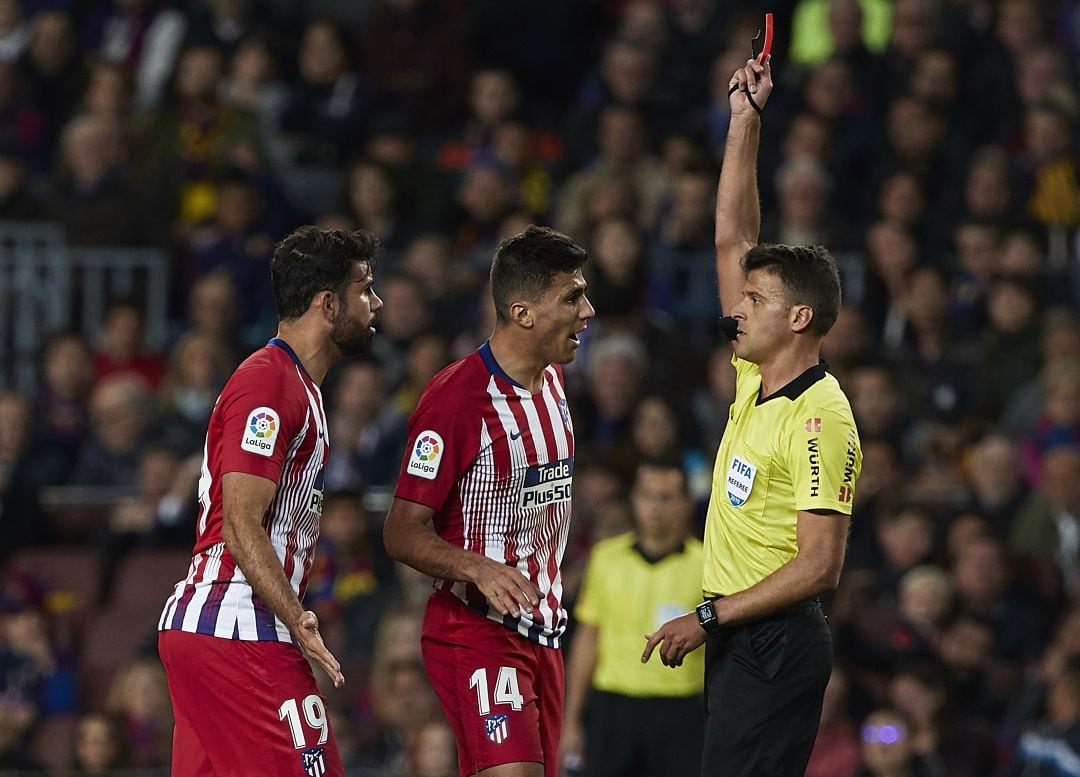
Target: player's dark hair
[
  {"x": 311, "y": 260},
  {"x": 809, "y": 275},
  {"x": 526, "y": 263}
]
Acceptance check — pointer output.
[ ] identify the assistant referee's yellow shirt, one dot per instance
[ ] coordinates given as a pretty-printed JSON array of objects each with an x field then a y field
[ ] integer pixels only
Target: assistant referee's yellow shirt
[
  {"x": 626, "y": 596},
  {"x": 796, "y": 450}
]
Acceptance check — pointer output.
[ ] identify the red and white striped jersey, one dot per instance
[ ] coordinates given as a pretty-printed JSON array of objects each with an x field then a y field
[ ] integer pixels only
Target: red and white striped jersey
[
  {"x": 495, "y": 463},
  {"x": 269, "y": 421}
]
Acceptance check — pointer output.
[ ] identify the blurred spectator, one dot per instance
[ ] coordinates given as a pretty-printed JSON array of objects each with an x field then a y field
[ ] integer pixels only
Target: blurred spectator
[
  {"x": 26, "y": 466},
  {"x": 428, "y": 353},
  {"x": 1059, "y": 343},
  {"x": 942, "y": 733},
  {"x": 350, "y": 577},
  {"x": 374, "y": 203},
  {"x": 368, "y": 431},
  {"x": 53, "y": 70},
  {"x": 850, "y": 29},
  {"x": 887, "y": 750},
  {"x": 144, "y": 36},
  {"x": 239, "y": 244},
  {"x": 327, "y": 109},
  {"x": 1049, "y": 162},
  {"x": 493, "y": 97},
  {"x": 120, "y": 414},
  {"x": 109, "y": 96},
  {"x": 140, "y": 697},
  {"x": 32, "y": 668},
  {"x": 400, "y": 323},
  {"x": 94, "y": 196},
  {"x": 623, "y": 157},
  {"x": 1053, "y": 747},
  {"x": 925, "y": 602},
  {"x": 1047, "y": 528},
  {"x": 836, "y": 749},
  {"x": 253, "y": 86},
  {"x": 68, "y": 378},
  {"x": 121, "y": 347},
  {"x": 18, "y": 202},
  {"x": 1059, "y": 422},
  {"x": 14, "y": 31},
  {"x": 997, "y": 485},
  {"x": 199, "y": 365},
  {"x": 449, "y": 287},
  {"x": 99, "y": 745},
  {"x": 616, "y": 368},
  {"x": 486, "y": 195},
  {"x": 212, "y": 311},
  {"x": 416, "y": 54},
  {"x": 712, "y": 398},
  {"x": 17, "y": 717},
  {"x": 159, "y": 513},
  {"x": 193, "y": 139},
  {"x": 1004, "y": 357},
  {"x": 431, "y": 751},
  {"x": 617, "y": 275},
  {"x": 803, "y": 187}
]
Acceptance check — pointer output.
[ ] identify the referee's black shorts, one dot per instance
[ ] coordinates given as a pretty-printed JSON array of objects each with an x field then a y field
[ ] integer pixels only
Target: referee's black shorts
[
  {"x": 643, "y": 737},
  {"x": 764, "y": 682}
]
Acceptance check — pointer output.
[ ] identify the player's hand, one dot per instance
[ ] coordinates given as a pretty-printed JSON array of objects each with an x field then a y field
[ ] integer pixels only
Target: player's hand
[
  {"x": 307, "y": 634},
  {"x": 676, "y": 638},
  {"x": 754, "y": 78},
  {"x": 506, "y": 589}
]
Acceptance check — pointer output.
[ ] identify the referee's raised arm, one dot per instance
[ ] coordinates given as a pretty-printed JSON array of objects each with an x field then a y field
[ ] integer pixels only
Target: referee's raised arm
[{"x": 738, "y": 212}]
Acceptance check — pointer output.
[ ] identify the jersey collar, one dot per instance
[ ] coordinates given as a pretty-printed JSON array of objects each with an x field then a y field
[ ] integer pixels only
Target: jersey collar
[
  {"x": 292, "y": 354},
  {"x": 493, "y": 366},
  {"x": 797, "y": 387}
]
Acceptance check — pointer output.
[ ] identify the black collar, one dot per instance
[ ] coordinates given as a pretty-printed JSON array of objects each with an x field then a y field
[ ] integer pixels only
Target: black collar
[
  {"x": 795, "y": 388},
  {"x": 657, "y": 559}
]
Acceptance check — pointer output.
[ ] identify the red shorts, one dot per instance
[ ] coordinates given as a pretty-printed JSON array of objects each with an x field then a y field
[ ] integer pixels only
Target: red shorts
[
  {"x": 244, "y": 708},
  {"x": 502, "y": 694}
]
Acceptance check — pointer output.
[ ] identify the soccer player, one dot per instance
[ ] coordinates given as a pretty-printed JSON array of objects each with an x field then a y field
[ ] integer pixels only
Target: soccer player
[
  {"x": 233, "y": 634},
  {"x": 783, "y": 484},
  {"x": 489, "y": 461}
]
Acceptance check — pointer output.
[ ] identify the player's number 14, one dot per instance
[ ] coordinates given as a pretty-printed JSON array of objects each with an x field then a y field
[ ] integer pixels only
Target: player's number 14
[{"x": 506, "y": 689}]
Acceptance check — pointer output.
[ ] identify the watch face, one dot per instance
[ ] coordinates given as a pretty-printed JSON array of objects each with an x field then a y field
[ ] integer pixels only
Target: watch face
[{"x": 706, "y": 612}]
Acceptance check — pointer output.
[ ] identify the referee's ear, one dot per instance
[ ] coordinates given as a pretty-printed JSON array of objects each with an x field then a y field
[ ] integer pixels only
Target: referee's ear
[{"x": 801, "y": 317}]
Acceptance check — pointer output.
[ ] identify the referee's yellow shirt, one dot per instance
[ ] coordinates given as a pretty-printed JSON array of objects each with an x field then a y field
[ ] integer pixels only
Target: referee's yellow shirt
[
  {"x": 625, "y": 596},
  {"x": 797, "y": 450}
]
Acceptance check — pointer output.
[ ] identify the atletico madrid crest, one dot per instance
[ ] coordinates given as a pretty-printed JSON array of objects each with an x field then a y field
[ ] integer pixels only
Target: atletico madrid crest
[
  {"x": 314, "y": 761},
  {"x": 495, "y": 726}
]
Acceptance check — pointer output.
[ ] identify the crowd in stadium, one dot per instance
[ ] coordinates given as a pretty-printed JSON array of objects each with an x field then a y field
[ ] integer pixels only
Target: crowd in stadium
[{"x": 930, "y": 144}]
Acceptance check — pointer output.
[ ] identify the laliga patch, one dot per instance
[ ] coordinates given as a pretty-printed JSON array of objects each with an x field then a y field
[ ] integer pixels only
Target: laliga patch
[
  {"x": 261, "y": 432},
  {"x": 314, "y": 761},
  {"x": 496, "y": 727},
  {"x": 426, "y": 455},
  {"x": 740, "y": 481}
]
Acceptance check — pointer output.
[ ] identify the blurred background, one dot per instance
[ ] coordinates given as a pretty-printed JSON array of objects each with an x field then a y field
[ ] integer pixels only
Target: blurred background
[{"x": 152, "y": 153}]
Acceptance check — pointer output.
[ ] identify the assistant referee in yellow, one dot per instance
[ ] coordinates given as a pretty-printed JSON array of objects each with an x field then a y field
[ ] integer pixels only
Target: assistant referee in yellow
[{"x": 783, "y": 484}]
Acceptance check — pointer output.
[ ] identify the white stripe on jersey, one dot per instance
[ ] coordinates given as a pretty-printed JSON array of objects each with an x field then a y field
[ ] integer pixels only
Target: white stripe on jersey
[
  {"x": 290, "y": 518},
  {"x": 491, "y": 511}
]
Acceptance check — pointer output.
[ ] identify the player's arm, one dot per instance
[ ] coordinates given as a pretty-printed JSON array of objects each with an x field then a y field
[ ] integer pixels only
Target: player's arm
[
  {"x": 411, "y": 539},
  {"x": 738, "y": 211},
  {"x": 815, "y": 570},
  {"x": 579, "y": 676},
  {"x": 245, "y": 499}
]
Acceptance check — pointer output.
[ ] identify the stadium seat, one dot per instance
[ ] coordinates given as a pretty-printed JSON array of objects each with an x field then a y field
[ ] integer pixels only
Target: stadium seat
[
  {"x": 149, "y": 575},
  {"x": 69, "y": 576},
  {"x": 54, "y": 742},
  {"x": 115, "y": 636}
]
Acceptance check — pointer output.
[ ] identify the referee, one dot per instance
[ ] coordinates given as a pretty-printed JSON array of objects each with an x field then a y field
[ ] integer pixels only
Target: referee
[{"x": 783, "y": 484}]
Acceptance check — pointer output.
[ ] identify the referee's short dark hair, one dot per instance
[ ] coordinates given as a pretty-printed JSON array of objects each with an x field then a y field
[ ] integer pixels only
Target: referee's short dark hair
[
  {"x": 808, "y": 273},
  {"x": 311, "y": 260},
  {"x": 525, "y": 264}
]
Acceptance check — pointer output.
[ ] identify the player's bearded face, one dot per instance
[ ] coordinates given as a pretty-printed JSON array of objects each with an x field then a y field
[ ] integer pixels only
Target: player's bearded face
[{"x": 352, "y": 330}]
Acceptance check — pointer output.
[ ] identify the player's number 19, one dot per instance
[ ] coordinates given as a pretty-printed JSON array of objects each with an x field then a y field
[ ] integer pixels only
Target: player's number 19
[
  {"x": 506, "y": 689},
  {"x": 314, "y": 714}
]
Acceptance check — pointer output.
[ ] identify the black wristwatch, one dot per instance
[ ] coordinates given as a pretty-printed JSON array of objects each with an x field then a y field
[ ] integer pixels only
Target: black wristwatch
[{"x": 706, "y": 618}]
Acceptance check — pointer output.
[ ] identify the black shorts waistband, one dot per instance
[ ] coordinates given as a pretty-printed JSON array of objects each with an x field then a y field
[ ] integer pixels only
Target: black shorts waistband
[{"x": 806, "y": 606}]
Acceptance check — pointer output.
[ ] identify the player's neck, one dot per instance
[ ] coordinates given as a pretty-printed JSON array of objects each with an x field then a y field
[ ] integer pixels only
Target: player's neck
[
  {"x": 788, "y": 364},
  {"x": 517, "y": 362},
  {"x": 314, "y": 350}
]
